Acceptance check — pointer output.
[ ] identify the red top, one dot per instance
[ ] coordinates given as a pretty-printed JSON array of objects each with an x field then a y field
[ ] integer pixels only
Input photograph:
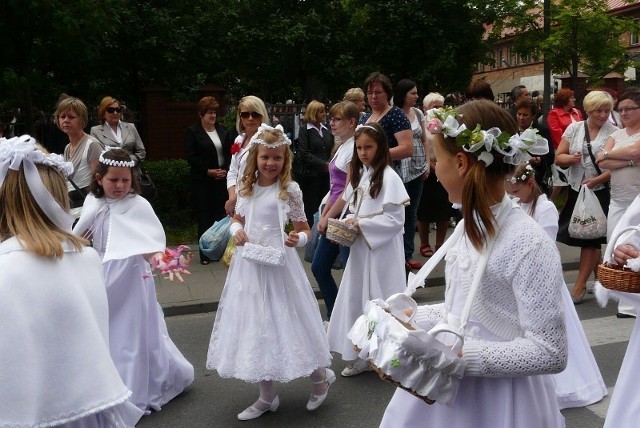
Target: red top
[{"x": 558, "y": 120}]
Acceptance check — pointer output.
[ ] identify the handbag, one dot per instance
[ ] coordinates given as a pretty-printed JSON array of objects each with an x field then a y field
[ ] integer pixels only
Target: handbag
[
  {"x": 261, "y": 252},
  {"x": 147, "y": 187},
  {"x": 76, "y": 196},
  {"x": 214, "y": 241},
  {"x": 406, "y": 355},
  {"x": 588, "y": 220},
  {"x": 229, "y": 251},
  {"x": 298, "y": 166}
]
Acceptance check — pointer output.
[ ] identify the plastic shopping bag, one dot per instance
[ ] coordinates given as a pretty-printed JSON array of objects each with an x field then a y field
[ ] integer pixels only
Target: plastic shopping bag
[
  {"x": 214, "y": 241},
  {"x": 588, "y": 221},
  {"x": 228, "y": 252}
]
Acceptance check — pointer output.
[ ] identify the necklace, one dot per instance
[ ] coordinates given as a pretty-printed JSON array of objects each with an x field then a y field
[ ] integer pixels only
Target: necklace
[{"x": 379, "y": 116}]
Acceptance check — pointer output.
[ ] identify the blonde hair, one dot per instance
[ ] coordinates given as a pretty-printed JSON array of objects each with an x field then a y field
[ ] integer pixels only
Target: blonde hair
[
  {"x": 20, "y": 215},
  {"x": 313, "y": 109},
  {"x": 252, "y": 103},
  {"x": 250, "y": 177},
  {"x": 524, "y": 175},
  {"x": 480, "y": 179},
  {"x": 354, "y": 95},
  {"x": 597, "y": 99}
]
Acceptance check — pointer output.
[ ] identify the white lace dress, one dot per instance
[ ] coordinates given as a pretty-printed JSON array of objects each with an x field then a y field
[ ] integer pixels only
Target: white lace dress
[
  {"x": 581, "y": 383},
  {"x": 268, "y": 325},
  {"x": 514, "y": 337}
]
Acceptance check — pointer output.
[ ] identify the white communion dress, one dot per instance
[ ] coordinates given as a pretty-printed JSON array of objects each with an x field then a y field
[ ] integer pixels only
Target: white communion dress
[
  {"x": 54, "y": 343},
  {"x": 375, "y": 269},
  {"x": 268, "y": 325},
  {"x": 149, "y": 362},
  {"x": 581, "y": 383},
  {"x": 515, "y": 336},
  {"x": 624, "y": 408}
]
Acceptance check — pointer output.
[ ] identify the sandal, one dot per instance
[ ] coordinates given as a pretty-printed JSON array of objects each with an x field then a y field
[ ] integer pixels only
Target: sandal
[
  {"x": 413, "y": 265},
  {"x": 426, "y": 250}
]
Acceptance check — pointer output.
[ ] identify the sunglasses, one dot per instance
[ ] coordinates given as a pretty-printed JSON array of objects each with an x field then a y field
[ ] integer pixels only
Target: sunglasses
[
  {"x": 248, "y": 114},
  {"x": 114, "y": 110}
]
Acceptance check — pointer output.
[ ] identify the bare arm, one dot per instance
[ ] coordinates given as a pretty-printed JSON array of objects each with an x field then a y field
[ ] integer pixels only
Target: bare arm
[
  {"x": 404, "y": 149},
  {"x": 563, "y": 158}
]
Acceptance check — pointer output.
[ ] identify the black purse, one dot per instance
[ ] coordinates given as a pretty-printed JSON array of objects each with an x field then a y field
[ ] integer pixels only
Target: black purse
[
  {"x": 76, "y": 196},
  {"x": 147, "y": 187}
]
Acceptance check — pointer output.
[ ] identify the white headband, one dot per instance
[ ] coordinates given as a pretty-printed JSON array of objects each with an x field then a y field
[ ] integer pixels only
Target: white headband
[
  {"x": 23, "y": 151},
  {"x": 116, "y": 163},
  {"x": 257, "y": 138},
  {"x": 359, "y": 127}
]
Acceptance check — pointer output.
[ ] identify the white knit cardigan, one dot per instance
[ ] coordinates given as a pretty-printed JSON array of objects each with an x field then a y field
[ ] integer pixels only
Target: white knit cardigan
[{"x": 518, "y": 300}]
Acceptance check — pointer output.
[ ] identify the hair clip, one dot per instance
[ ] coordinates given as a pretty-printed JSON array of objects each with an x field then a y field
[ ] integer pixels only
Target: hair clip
[
  {"x": 359, "y": 127},
  {"x": 116, "y": 163}
]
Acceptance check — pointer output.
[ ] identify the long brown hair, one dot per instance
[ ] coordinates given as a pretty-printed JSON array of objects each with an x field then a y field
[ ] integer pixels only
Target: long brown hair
[
  {"x": 476, "y": 194},
  {"x": 378, "y": 163}
]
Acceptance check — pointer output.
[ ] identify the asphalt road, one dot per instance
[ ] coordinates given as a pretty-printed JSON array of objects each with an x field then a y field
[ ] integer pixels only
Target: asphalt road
[{"x": 353, "y": 402}]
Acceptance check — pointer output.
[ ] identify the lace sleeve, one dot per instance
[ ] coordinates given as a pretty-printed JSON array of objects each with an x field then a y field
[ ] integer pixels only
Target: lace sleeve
[
  {"x": 428, "y": 316},
  {"x": 542, "y": 346},
  {"x": 295, "y": 206}
]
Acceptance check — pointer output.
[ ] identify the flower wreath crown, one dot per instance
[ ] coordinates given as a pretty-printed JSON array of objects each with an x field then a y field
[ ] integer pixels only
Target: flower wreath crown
[
  {"x": 257, "y": 138},
  {"x": 516, "y": 149},
  {"x": 528, "y": 173}
]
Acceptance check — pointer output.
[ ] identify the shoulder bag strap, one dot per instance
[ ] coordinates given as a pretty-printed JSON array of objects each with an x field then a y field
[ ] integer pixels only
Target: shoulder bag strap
[{"x": 593, "y": 159}]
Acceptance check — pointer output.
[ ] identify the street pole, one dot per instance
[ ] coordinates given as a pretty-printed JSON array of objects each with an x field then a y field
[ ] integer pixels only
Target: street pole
[{"x": 546, "y": 67}]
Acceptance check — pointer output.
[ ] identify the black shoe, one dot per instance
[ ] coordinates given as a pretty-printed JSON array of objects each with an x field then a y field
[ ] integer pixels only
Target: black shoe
[{"x": 621, "y": 315}]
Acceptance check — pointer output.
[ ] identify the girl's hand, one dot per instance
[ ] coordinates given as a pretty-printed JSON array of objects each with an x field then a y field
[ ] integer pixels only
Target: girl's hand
[
  {"x": 322, "y": 225},
  {"x": 292, "y": 239},
  {"x": 353, "y": 224},
  {"x": 241, "y": 237},
  {"x": 624, "y": 252},
  {"x": 230, "y": 206}
]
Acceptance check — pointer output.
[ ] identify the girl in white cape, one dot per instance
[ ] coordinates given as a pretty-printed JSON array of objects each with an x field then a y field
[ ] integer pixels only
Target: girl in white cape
[
  {"x": 375, "y": 269},
  {"x": 124, "y": 230},
  {"x": 515, "y": 335},
  {"x": 581, "y": 383},
  {"x": 268, "y": 326},
  {"x": 54, "y": 341}
]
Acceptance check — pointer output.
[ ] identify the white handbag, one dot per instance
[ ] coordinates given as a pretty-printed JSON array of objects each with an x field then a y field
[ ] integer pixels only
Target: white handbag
[{"x": 406, "y": 355}]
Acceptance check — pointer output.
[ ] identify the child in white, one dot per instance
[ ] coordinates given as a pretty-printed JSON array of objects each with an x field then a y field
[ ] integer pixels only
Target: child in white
[
  {"x": 581, "y": 383},
  {"x": 268, "y": 326},
  {"x": 376, "y": 262},
  {"x": 124, "y": 229},
  {"x": 515, "y": 335},
  {"x": 54, "y": 342}
]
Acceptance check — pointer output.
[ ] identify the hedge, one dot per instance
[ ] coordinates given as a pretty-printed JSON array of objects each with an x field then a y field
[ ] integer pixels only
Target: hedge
[{"x": 173, "y": 183}]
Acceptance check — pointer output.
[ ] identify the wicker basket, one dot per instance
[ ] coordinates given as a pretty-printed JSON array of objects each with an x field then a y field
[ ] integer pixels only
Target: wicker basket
[
  {"x": 618, "y": 278},
  {"x": 338, "y": 230}
]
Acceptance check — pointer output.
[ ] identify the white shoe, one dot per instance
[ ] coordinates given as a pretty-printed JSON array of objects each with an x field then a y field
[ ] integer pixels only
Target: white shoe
[
  {"x": 253, "y": 413},
  {"x": 316, "y": 400},
  {"x": 356, "y": 368}
]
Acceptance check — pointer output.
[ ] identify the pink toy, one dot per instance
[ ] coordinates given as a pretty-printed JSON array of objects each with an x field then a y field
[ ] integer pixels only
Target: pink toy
[{"x": 173, "y": 262}]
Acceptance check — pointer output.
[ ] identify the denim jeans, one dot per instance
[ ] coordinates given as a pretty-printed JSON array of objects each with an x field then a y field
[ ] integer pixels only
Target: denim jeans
[
  {"x": 414, "y": 189},
  {"x": 325, "y": 255}
]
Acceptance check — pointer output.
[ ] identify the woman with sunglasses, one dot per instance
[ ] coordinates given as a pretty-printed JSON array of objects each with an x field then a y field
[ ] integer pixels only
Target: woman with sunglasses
[
  {"x": 113, "y": 132},
  {"x": 251, "y": 113}
]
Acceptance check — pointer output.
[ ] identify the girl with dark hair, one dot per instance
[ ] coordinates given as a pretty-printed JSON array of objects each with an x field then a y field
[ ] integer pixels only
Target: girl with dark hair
[{"x": 376, "y": 266}]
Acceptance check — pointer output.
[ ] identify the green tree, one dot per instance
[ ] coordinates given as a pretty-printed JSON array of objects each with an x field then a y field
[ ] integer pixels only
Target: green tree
[{"x": 583, "y": 35}]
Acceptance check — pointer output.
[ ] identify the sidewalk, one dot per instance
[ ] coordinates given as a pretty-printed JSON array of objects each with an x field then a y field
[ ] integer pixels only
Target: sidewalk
[{"x": 202, "y": 289}]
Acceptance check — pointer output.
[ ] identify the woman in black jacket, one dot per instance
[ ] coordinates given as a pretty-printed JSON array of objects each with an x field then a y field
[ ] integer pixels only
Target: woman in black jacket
[
  {"x": 315, "y": 142},
  {"x": 208, "y": 147}
]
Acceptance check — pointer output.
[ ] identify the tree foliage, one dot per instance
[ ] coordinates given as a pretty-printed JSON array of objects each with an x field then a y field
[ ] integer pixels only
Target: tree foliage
[
  {"x": 276, "y": 49},
  {"x": 584, "y": 36}
]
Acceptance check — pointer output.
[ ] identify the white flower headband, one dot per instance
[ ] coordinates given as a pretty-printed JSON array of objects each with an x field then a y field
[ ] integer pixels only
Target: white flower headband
[
  {"x": 516, "y": 149},
  {"x": 359, "y": 127},
  {"x": 113, "y": 162},
  {"x": 257, "y": 138},
  {"x": 528, "y": 173},
  {"x": 23, "y": 151}
]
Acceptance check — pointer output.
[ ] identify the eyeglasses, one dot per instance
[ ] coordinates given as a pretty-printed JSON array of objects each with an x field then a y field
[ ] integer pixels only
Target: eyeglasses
[
  {"x": 376, "y": 93},
  {"x": 114, "y": 110},
  {"x": 248, "y": 114},
  {"x": 624, "y": 109},
  {"x": 335, "y": 119}
]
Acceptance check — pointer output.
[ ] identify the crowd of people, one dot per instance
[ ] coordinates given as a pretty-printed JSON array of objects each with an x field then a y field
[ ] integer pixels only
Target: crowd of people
[{"x": 385, "y": 173}]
